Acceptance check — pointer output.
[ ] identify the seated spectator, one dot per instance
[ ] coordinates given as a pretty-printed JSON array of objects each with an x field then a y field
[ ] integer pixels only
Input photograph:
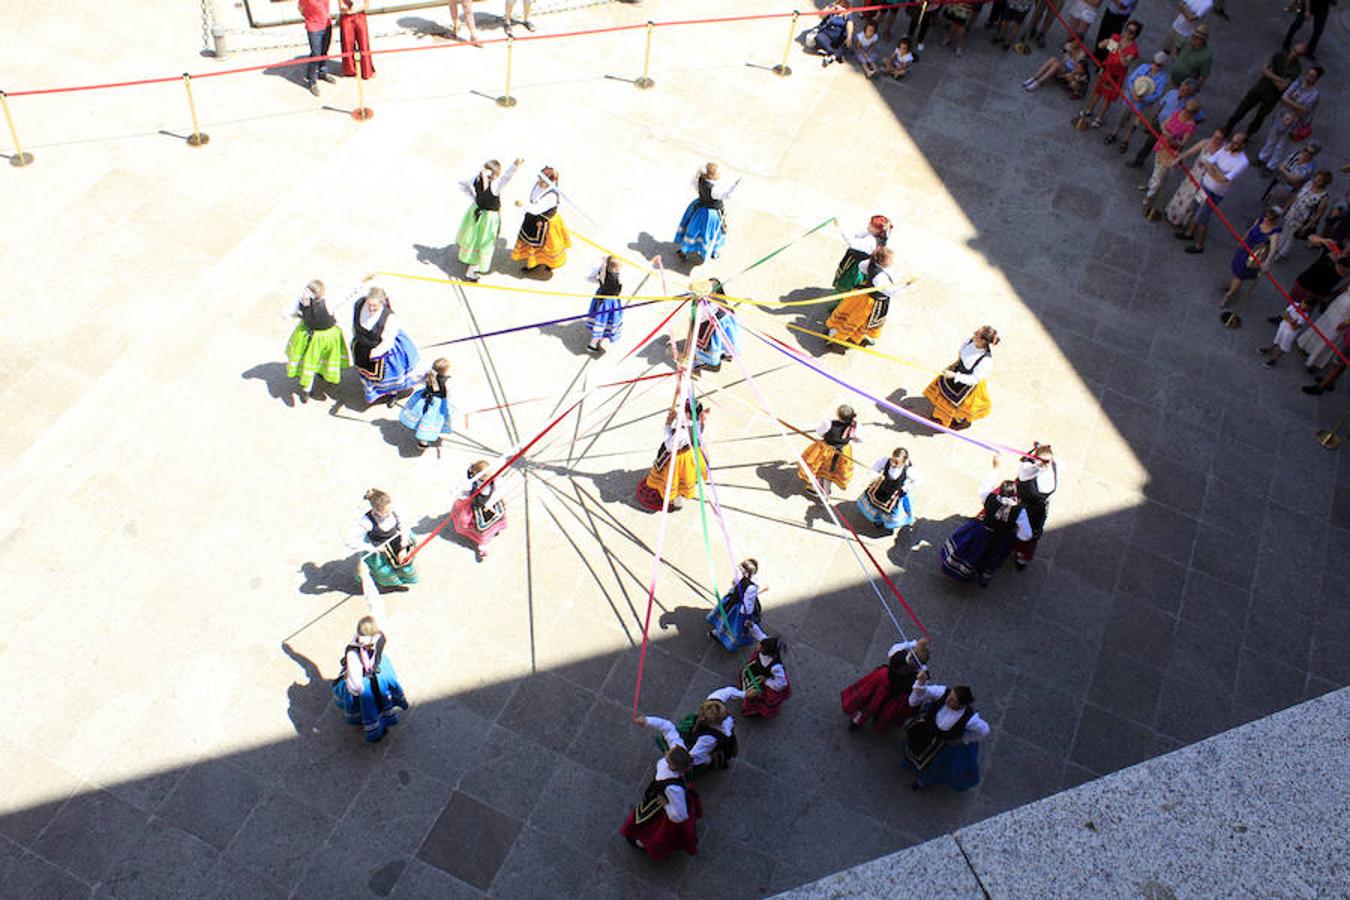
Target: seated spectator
[
  {"x": 1070, "y": 67},
  {"x": 865, "y": 50},
  {"x": 901, "y": 59},
  {"x": 834, "y": 34}
]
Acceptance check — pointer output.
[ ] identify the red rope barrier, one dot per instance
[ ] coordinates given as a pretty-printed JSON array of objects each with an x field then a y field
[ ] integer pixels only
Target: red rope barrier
[{"x": 1157, "y": 136}]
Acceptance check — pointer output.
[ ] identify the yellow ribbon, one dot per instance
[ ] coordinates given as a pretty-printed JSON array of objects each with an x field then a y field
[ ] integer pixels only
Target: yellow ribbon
[
  {"x": 518, "y": 290},
  {"x": 850, "y": 344}
]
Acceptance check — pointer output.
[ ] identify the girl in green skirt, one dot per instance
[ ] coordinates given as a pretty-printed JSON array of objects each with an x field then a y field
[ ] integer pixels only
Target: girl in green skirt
[
  {"x": 482, "y": 221},
  {"x": 317, "y": 346}
]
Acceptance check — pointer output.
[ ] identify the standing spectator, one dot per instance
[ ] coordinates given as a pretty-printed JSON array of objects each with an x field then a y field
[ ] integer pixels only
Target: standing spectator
[
  {"x": 1014, "y": 14},
  {"x": 886, "y": 18},
  {"x": 958, "y": 17},
  {"x": 919, "y": 20},
  {"x": 466, "y": 8},
  {"x": 1291, "y": 174},
  {"x": 1042, "y": 17},
  {"x": 319, "y": 30},
  {"x": 1116, "y": 14},
  {"x": 1194, "y": 60},
  {"x": 1171, "y": 101},
  {"x": 1318, "y": 281},
  {"x": 1081, "y": 14},
  {"x": 1217, "y": 175},
  {"x": 1306, "y": 209},
  {"x": 507, "y": 17},
  {"x": 1176, "y": 131},
  {"x": 1319, "y": 10},
  {"x": 1121, "y": 50},
  {"x": 1256, "y": 252},
  {"x": 1332, "y": 322},
  {"x": 355, "y": 36},
  {"x": 1276, "y": 76},
  {"x": 1293, "y": 123},
  {"x": 1189, "y": 14},
  {"x": 1181, "y": 208}
]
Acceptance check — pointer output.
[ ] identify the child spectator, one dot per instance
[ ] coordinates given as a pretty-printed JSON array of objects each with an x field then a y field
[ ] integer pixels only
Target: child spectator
[
  {"x": 1291, "y": 323},
  {"x": 865, "y": 49},
  {"x": 901, "y": 58}
]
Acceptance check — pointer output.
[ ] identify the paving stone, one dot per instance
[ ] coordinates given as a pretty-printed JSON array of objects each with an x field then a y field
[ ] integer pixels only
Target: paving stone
[
  {"x": 420, "y": 879},
  {"x": 1076, "y": 201},
  {"x": 1222, "y": 607},
  {"x": 510, "y": 773},
  {"x": 165, "y": 862},
  {"x": 1205, "y": 656},
  {"x": 1126, "y": 686},
  {"x": 1107, "y": 742},
  {"x": 1140, "y": 632},
  {"x": 90, "y": 833},
  {"x": 1228, "y": 556},
  {"x": 1151, "y": 579},
  {"x": 395, "y": 808},
  {"x": 1165, "y": 532},
  {"x": 664, "y": 679},
  {"x": 1043, "y": 715},
  {"x": 1266, "y": 685},
  {"x": 541, "y": 865},
  {"x": 212, "y": 800},
  {"x": 231, "y": 881},
  {"x": 582, "y": 807},
  {"x": 442, "y": 739},
  {"x": 1017, "y": 772},
  {"x": 27, "y": 876},
  {"x": 470, "y": 841},
  {"x": 1175, "y": 484},
  {"x": 35, "y": 788},
  {"x": 280, "y": 837},
  {"x": 547, "y": 709},
  {"x": 826, "y": 836},
  {"x": 1273, "y": 630}
]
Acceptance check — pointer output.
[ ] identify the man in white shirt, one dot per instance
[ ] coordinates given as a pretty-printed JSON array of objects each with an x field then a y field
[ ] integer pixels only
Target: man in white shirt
[
  {"x": 1217, "y": 175},
  {"x": 1189, "y": 14}
]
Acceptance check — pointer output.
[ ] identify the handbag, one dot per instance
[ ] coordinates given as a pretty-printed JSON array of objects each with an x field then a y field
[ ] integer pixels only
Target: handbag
[{"x": 1300, "y": 132}]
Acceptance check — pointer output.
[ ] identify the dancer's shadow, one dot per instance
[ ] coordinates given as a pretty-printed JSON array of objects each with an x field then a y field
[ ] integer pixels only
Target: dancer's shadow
[
  {"x": 575, "y": 336},
  {"x": 307, "y": 700},
  {"x": 917, "y": 545},
  {"x": 617, "y": 485},
  {"x": 647, "y": 245},
  {"x": 325, "y": 578},
  {"x": 812, "y": 317},
  {"x": 780, "y": 477},
  {"x": 396, "y": 434},
  {"x": 273, "y": 374},
  {"x": 443, "y": 258},
  {"x": 916, "y": 404},
  {"x": 658, "y": 352}
]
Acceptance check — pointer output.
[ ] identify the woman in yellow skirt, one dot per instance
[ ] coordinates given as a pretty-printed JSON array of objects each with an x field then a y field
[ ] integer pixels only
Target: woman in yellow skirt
[
  {"x": 830, "y": 458},
  {"x": 541, "y": 244},
  {"x": 958, "y": 395},
  {"x": 676, "y": 449},
  {"x": 858, "y": 319}
]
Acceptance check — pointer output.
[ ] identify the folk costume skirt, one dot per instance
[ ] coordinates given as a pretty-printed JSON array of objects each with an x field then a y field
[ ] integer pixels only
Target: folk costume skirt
[
  {"x": 718, "y": 348},
  {"x": 730, "y": 625},
  {"x": 392, "y": 372},
  {"x": 897, "y": 515},
  {"x": 828, "y": 464},
  {"x": 701, "y": 231},
  {"x": 768, "y": 702},
  {"x": 323, "y": 353},
  {"x": 387, "y": 571},
  {"x": 871, "y": 695},
  {"x": 853, "y": 320},
  {"x": 605, "y": 318},
  {"x": 661, "y": 837},
  {"x": 375, "y": 710},
  {"x": 428, "y": 417},
  {"x": 953, "y": 401},
  {"x": 975, "y": 552},
  {"x": 477, "y": 237},
  {"x": 956, "y": 765},
  {"x": 542, "y": 242},
  {"x": 479, "y": 526},
  {"x": 650, "y": 490}
]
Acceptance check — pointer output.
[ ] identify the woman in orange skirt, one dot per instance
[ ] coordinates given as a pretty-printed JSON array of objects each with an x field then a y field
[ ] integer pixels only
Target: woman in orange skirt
[
  {"x": 542, "y": 242},
  {"x": 958, "y": 395},
  {"x": 830, "y": 458},
  {"x": 858, "y": 319},
  {"x": 677, "y": 449}
]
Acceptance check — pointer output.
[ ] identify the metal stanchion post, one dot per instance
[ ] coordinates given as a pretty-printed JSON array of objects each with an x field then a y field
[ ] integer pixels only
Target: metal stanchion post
[
  {"x": 198, "y": 138},
  {"x": 1330, "y": 439},
  {"x": 506, "y": 99},
  {"x": 18, "y": 158},
  {"x": 1230, "y": 317},
  {"x": 362, "y": 112},
  {"x": 783, "y": 68},
  {"x": 645, "y": 81}
]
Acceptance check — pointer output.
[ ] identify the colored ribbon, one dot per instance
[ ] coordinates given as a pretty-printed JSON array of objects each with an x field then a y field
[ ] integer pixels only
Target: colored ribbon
[
  {"x": 853, "y": 346},
  {"x": 544, "y": 324}
]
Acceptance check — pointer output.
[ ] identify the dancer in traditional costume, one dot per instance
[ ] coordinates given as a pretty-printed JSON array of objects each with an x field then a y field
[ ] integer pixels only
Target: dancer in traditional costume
[
  {"x": 858, "y": 319},
  {"x": 384, "y": 544},
  {"x": 709, "y": 733},
  {"x": 703, "y": 227},
  {"x": 541, "y": 244},
  {"x": 604, "y": 319},
  {"x": 735, "y": 620},
  {"x": 943, "y": 744},
  {"x": 886, "y": 500},
  {"x": 979, "y": 547},
  {"x": 475, "y": 514},
  {"x": 959, "y": 395},
  {"x": 367, "y": 690},
  {"x": 831, "y": 457},
  {"x": 664, "y": 820},
  {"x": 677, "y": 446},
  {"x": 428, "y": 411},
  {"x": 882, "y": 695},
  {"x": 482, "y": 222},
  {"x": 384, "y": 356},
  {"x": 316, "y": 346},
  {"x": 713, "y": 344},
  {"x": 861, "y": 246},
  {"x": 1037, "y": 479},
  {"x": 765, "y": 681}
]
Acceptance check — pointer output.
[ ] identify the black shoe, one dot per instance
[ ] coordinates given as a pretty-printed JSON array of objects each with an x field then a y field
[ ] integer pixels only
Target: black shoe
[
  {"x": 1021, "y": 566},
  {"x": 1135, "y": 164},
  {"x": 1040, "y": 42},
  {"x": 1195, "y": 248},
  {"x": 1274, "y": 320},
  {"x": 1181, "y": 234},
  {"x": 529, "y": 26},
  {"x": 854, "y": 726},
  {"x": 1315, "y": 390}
]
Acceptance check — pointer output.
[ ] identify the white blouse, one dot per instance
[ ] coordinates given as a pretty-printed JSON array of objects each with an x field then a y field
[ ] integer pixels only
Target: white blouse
[
  {"x": 992, "y": 481},
  {"x": 970, "y": 353},
  {"x": 358, "y": 538},
  {"x": 977, "y": 729},
  {"x": 677, "y": 807},
  {"x": 863, "y": 242},
  {"x": 883, "y": 466},
  {"x": 719, "y": 189},
  {"x": 494, "y": 186},
  {"x": 703, "y": 748},
  {"x": 777, "y": 679},
  {"x": 882, "y": 279},
  {"x": 392, "y": 325},
  {"x": 542, "y": 199}
]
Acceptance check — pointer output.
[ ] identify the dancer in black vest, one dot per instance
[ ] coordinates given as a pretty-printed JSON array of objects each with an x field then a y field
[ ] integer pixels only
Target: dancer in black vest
[
  {"x": 830, "y": 458},
  {"x": 383, "y": 542},
  {"x": 886, "y": 500},
  {"x": 428, "y": 412},
  {"x": 942, "y": 745},
  {"x": 734, "y": 622},
  {"x": 316, "y": 346},
  {"x": 478, "y": 514},
  {"x": 959, "y": 395},
  {"x": 882, "y": 695},
  {"x": 764, "y": 680},
  {"x": 385, "y": 357},
  {"x": 543, "y": 239},
  {"x": 703, "y": 228},
  {"x": 367, "y": 690},
  {"x": 1037, "y": 479},
  {"x": 482, "y": 222},
  {"x": 604, "y": 318},
  {"x": 709, "y": 733},
  {"x": 978, "y": 548},
  {"x": 664, "y": 820}
]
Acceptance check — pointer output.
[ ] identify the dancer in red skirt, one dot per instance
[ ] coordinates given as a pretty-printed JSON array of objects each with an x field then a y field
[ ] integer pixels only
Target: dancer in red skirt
[
  {"x": 664, "y": 820},
  {"x": 882, "y": 695},
  {"x": 765, "y": 681},
  {"x": 475, "y": 515}
]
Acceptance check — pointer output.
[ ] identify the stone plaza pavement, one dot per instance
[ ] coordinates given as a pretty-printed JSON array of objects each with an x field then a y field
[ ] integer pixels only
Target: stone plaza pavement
[{"x": 173, "y": 517}]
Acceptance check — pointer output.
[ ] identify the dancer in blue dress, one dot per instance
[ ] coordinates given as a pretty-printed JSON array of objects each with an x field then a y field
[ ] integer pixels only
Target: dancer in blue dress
[
  {"x": 717, "y": 335},
  {"x": 703, "y": 228},
  {"x": 604, "y": 319},
  {"x": 735, "y": 621},
  {"x": 943, "y": 744},
  {"x": 428, "y": 411},
  {"x": 886, "y": 500},
  {"x": 367, "y": 690},
  {"x": 978, "y": 548},
  {"x": 383, "y": 354}
]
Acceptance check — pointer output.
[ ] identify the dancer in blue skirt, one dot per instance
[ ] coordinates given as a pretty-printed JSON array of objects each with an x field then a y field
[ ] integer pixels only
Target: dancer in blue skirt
[
  {"x": 886, "y": 500},
  {"x": 943, "y": 744},
  {"x": 367, "y": 690},
  {"x": 717, "y": 336},
  {"x": 384, "y": 356},
  {"x": 735, "y": 621},
  {"x": 428, "y": 411},
  {"x": 703, "y": 228},
  {"x": 604, "y": 319},
  {"x": 978, "y": 548}
]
